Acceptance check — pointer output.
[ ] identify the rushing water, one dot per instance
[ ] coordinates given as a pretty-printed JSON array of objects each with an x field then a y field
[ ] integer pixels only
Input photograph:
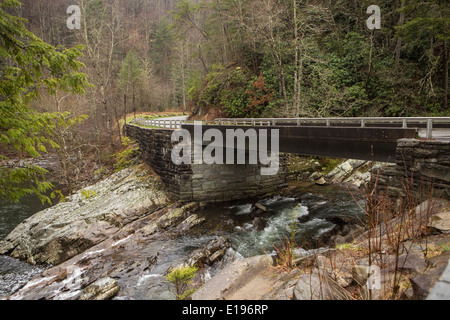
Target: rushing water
[
  {"x": 235, "y": 222},
  {"x": 311, "y": 207},
  {"x": 231, "y": 220}
]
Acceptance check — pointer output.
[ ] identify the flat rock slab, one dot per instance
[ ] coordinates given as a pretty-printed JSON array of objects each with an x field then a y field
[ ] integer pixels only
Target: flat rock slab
[
  {"x": 317, "y": 286},
  {"x": 441, "y": 291},
  {"x": 85, "y": 219},
  {"x": 241, "y": 280},
  {"x": 422, "y": 284},
  {"x": 441, "y": 222}
]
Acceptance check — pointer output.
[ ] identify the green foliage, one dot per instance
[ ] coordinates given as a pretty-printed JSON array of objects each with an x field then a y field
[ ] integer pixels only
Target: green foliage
[
  {"x": 341, "y": 67},
  {"x": 88, "y": 194},
  {"x": 194, "y": 84},
  {"x": 130, "y": 72},
  {"x": 234, "y": 96},
  {"x": 233, "y": 90},
  {"x": 126, "y": 158},
  {"x": 162, "y": 50},
  {"x": 182, "y": 278},
  {"x": 27, "y": 66},
  {"x": 329, "y": 164}
]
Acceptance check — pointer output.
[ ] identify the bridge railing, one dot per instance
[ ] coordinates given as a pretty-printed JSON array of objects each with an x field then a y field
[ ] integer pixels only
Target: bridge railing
[
  {"x": 428, "y": 123},
  {"x": 412, "y": 122},
  {"x": 159, "y": 123}
]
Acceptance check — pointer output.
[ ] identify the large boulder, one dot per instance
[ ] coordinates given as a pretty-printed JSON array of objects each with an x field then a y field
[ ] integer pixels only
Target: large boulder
[
  {"x": 315, "y": 286},
  {"x": 85, "y": 219},
  {"x": 441, "y": 291},
  {"x": 422, "y": 284},
  {"x": 138, "y": 256},
  {"x": 235, "y": 281},
  {"x": 344, "y": 170},
  {"x": 212, "y": 252},
  {"x": 441, "y": 222}
]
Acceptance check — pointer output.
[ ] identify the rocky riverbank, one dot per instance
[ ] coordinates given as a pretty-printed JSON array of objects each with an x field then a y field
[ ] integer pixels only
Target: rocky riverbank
[
  {"x": 404, "y": 256},
  {"x": 105, "y": 241},
  {"x": 357, "y": 262},
  {"x": 350, "y": 271},
  {"x": 119, "y": 238}
]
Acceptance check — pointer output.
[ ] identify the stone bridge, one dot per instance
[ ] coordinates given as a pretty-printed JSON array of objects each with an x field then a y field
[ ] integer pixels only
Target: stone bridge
[{"x": 393, "y": 140}]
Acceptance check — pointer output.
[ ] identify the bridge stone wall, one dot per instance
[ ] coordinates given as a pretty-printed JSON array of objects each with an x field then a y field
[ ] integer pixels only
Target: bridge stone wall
[
  {"x": 212, "y": 183},
  {"x": 425, "y": 162},
  {"x": 156, "y": 148}
]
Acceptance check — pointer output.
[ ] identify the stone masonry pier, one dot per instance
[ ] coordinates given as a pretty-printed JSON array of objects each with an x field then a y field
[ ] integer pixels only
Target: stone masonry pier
[
  {"x": 423, "y": 163},
  {"x": 202, "y": 182}
]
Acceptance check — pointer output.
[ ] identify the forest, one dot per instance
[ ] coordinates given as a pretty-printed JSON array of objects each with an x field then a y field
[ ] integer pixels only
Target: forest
[{"x": 66, "y": 91}]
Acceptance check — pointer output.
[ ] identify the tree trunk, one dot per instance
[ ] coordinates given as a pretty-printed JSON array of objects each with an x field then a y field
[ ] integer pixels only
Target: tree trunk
[
  {"x": 445, "y": 76},
  {"x": 399, "y": 39},
  {"x": 295, "y": 107},
  {"x": 125, "y": 109}
]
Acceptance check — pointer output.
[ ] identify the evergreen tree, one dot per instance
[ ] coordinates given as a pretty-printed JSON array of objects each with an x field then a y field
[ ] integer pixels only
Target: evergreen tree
[{"x": 28, "y": 65}]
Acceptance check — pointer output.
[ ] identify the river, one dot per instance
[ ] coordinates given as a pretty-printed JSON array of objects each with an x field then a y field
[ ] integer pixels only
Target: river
[
  {"x": 311, "y": 204},
  {"x": 15, "y": 273}
]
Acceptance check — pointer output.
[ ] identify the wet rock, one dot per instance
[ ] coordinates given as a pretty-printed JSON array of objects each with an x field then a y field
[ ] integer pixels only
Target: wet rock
[
  {"x": 346, "y": 230},
  {"x": 259, "y": 224},
  {"x": 260, "y": 207},
  {"x": 103, "y": 289},
  {"x": 190, "y": 222},
  {"x": 260, "y": 211},
  {"x": 212, "y": 252},
  {"x": 191, "y": 207},
  {"x": 315, "y": 176},
  {"x": 171, "y": 218}
]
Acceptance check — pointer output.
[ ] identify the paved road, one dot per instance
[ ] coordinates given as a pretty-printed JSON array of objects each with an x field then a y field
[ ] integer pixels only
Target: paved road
[{"x": 438, "y": 134}]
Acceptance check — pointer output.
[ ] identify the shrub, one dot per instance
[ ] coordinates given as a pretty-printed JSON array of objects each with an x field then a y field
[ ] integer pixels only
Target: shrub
[
  {"x": 182, "y": 277},
  {"x": 125, "y": 158},
  {"x": 88, "y": 194}
]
